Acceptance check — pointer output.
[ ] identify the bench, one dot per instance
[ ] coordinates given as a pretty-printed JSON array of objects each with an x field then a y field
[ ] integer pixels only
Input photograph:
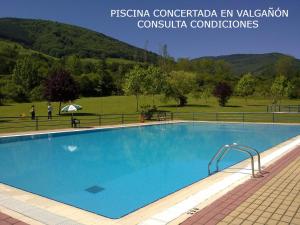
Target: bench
[{"x": 75, "y": 122}]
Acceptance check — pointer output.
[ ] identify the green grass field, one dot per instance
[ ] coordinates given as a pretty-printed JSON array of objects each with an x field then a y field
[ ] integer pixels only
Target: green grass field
[{"x": 127, "y": 104}]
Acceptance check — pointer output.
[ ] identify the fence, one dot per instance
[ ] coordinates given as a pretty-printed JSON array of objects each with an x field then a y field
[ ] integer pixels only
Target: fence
[
  {"x": 14, "y": 124},
  {"x": 283, "y": 108},
  {"x": 240, "y": 117}
]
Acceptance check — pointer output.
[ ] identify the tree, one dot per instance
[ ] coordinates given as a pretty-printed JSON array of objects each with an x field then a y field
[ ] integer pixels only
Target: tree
[
  {"x": 223, "y": 92},
  {"x": 278, "y": 88},
  {"x": 155, "y": 81},
  {"x": 73, "y": 64},
  {"x": 213, "y": 71},
  {"x": 206, "y": 93},
  {"x": 2, "y": 96},
  {"x": 293, "y": 88},
  {"x": 184, "y": 64},
  {"x": 178, "y": 85},
  {"x": 246, "y": 86},
  {"x": 285, "y": 66},
  {"x": 134, "y": 83},
  {"x": 165, "y": 61},
  {"x": 61, "y": 87},
  {"x": 89, "y": 84},
  {"x": 25, "y": 75},
  {"x": 105, "y": 84}
]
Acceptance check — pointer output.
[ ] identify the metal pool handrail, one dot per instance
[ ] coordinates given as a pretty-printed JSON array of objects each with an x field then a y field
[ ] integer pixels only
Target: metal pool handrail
[
  {"x": 241, "y": 148},
  {"x": 215, "y": 156}
]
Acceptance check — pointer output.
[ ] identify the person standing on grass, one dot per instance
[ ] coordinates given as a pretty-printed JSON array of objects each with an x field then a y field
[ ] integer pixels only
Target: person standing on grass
[
  {"x": 49, "y": 111},
  {"x": 32, "y": 111}
]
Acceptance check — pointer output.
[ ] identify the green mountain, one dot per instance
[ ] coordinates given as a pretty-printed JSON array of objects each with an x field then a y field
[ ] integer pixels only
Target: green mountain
[
  {"x": 58, "y": 40},
  {"x": 254, "y": 63},
  {"x": 53, "y": 40}
]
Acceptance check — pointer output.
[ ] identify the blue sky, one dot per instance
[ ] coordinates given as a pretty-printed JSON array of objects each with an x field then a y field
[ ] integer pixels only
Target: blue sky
[{"x": 274, "y": 35}]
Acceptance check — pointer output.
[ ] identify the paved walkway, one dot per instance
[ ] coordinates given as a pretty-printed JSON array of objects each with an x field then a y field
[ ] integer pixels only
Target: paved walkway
[{"x": 272, "y": 199}]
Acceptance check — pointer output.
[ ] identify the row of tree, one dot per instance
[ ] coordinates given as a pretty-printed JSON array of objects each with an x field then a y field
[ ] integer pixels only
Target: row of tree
[
  {"x": 178, "y": 85},
  {"x": 176, "y": 80},
  {"x": 94, "y": 78}
]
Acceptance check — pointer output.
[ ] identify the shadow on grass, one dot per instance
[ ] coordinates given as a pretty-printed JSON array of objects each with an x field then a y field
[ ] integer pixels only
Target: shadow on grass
[
  {"x": 186, "y": 106},
  {"x": 78, "y": 114},
  {"x": 4, "y": 121},
  {"x": 233, "y": 106},
  {"x": 4, "y": 104},
  {"x": 257, "y": 105}
]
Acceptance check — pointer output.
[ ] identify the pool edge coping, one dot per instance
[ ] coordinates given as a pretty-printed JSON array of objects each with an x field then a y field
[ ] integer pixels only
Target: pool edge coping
[{"x": 104, "y": 127}]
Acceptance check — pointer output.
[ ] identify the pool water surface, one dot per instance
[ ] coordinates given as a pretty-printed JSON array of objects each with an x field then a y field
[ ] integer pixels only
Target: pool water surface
[{"x": 113, "y": 172}]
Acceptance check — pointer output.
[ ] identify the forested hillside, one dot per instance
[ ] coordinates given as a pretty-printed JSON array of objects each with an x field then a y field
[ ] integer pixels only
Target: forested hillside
[
  {"x": 33, "y": 51},
  {"x": 59, "y": 40},
  {"x": 257, "y": 64}
]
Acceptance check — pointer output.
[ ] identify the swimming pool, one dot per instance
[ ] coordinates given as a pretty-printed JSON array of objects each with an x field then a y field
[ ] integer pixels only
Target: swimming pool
[{"x": 113, "y": 172}]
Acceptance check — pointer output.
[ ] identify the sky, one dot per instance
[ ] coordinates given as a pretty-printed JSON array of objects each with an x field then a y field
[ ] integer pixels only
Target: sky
[{"x": 274, "y": 35}]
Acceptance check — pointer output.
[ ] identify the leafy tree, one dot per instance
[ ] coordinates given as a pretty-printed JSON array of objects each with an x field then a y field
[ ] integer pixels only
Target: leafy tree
[
  {"x": 26, "y": 74},
  {"x": 179, "y": 84},
  {"x": 2, "y": 96},
  {"x": 37, "y": 93},
  {"x": 61, "y": 87},
  {"x": 15, "y": 92},
  {"x": 88, "y": 67},
  {"x": 294, "y": 88},
  {"x": 105, "y": 83},
  {"x": 165, "y": 62},
  {"x": 155, "y": 81},
  {"x": 213, "y": 71},
  {"x": 118, "y": 77},
  {"x": 278, "y": 88},
  {"x": 89, "y": 84},
  {"x": 223, "y": 92},
  {"x": 134, "y": 83},
  {"x": 285, "y": 66},
  {"x": 74, "y": 65},
  {"x": 289, "y": 89},
  {"x": 8, "y": 57},
  {"x": 246, "y": 86},
  {"x": 206, "y": 93},
  {"x": 184, "y": 64}
]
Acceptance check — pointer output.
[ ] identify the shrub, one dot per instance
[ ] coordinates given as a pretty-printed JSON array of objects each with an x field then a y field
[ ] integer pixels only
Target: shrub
[
  {"x": 223, "y": 92},
  {"x": 147, "y": 111},
  {"x": 37, "y": 93}
]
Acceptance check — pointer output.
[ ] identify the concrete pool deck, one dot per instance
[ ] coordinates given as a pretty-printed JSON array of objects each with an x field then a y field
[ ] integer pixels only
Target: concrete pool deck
[
  {"x": 275, "y": 199},
  {"x": 173, "y": 209}
]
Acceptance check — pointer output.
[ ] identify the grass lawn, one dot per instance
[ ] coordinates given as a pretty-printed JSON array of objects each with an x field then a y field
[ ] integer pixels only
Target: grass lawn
[{"x": 127, "y": 104}]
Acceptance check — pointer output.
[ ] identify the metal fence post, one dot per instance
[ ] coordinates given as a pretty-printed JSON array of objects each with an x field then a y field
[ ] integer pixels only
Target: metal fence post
[
  {"x": 193, "y": 116},
  {"x": 99, "y": 118},
  {"x": 243, "y": 117},
  {"x": 172, "y": 116},
  {"x": 216, "y": 116},
  {"x": 273, "y": 117},
  {"x": 37, "y": 123},
  {"x": 122, "y": 120}
]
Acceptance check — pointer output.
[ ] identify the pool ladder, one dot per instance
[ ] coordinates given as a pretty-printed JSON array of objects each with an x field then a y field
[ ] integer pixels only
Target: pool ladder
[{"x": 236, "y": 147}]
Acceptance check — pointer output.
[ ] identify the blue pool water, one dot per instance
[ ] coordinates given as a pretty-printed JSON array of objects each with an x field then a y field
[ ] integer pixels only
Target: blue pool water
[{"x": 116, "y": 171}]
